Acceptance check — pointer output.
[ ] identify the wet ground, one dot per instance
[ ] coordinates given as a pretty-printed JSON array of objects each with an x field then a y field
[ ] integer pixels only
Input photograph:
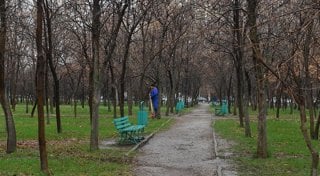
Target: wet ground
[{"x": 189, "y": 148}]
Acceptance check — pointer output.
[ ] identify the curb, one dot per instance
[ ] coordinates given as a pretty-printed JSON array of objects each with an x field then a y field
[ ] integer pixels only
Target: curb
[
  {"x": 140, "y": 144},
  {"x": 215, "y": 145}
]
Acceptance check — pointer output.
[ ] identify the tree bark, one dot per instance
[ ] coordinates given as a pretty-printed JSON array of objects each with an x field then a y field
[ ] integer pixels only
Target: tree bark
[
  {"x": 40, "y": 80},
  {"x": 237, "y": 44},
  {"x": 113, "y": 91},
  {"x": 10, "y": 126},
  {"x": 47, "y": 95},
  {"x": 27, "y": 105},
  {"x": 307, "y": 139},
  {"x": 308, "y": 92},
  {"x": 34, "y": 108},
  {"x": 124, "y": 69},
  {"x": 247, "y": 94},
  {"x": 235, "y": 104},
  {"x": 247, "y": 129},
  {"x": 129, "y": 97},
  {"x": 262, "y": 150},
  {"x": 229, "y": 94},
  {"x": 278, "y": 102},
  {"x": 52, "y": 68},
  {"x": 170, "y": 97},
  {"x": 95, "y": 76},
  {"x": 15, "y": 75}
]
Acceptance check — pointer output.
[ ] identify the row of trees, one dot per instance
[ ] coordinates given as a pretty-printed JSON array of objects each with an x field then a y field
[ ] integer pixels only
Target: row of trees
[
  {"x": 270, "y": 50},
  {"x": 88, "y": 51},
  {"x": 253, "y": 51}
]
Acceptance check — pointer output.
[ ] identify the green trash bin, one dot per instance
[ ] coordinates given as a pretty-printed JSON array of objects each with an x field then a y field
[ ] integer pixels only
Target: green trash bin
[
  {"x": 179, "y": 106},
  {"x": 224, "y": 107},
  {"x": 142, "y": 115}
]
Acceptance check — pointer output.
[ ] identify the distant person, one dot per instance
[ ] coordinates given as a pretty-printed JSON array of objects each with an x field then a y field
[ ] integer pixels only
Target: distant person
[{"x": 154, "y": 98}]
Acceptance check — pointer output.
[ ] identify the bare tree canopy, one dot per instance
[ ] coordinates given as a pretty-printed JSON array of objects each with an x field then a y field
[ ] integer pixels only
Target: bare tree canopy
[{"x": 256, "y": 53}]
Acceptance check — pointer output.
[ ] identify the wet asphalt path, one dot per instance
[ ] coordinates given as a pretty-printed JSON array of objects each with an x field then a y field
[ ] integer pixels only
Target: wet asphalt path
[{"x": 189, "y": 148}]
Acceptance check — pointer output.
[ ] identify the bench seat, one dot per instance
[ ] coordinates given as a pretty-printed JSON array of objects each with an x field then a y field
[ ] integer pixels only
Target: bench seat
[{"x": 128, "y": 133}]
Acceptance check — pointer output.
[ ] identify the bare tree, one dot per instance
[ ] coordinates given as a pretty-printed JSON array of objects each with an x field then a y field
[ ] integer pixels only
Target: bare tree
[
  {"x": 110, "y": 45},
  {"x": 40, "y": 88},
  {"x": 95, "y": 75},
  {"x": 262, "y": 150},
  {"x": 238, "y": 55},
  {"x": 136, "y": 12},
  {"x": 10, "y": 127},
  {"x": 49, "y": 56}
]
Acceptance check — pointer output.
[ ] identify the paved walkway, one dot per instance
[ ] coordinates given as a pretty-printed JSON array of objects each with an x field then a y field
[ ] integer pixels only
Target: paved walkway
[{"x": 189, "y": 148}]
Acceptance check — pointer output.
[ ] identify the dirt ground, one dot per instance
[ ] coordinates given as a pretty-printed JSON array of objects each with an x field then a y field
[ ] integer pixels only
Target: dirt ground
[{"x": 189, "y": 148}]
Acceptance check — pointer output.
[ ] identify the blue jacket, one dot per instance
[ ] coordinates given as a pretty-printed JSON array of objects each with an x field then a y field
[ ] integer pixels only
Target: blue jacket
[{"x": 154, "y": 97}]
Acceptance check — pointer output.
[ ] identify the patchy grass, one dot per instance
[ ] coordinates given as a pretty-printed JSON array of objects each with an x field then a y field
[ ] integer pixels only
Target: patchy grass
[
  {"x": 71, "y": 159},
  {"x": 288, "y": 153},
  {"x": 68, "y": 153}
]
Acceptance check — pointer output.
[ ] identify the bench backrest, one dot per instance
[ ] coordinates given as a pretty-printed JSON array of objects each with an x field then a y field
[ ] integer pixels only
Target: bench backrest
[{"x": 121, "y": 123}]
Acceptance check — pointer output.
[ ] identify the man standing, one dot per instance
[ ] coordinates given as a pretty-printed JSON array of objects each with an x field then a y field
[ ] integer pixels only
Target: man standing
[{"x": 154, "y": 98}]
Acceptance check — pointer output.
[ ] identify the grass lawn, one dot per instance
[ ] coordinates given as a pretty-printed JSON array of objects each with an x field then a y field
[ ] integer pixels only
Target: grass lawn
[
  {"x": 68, "y": 153},
  {"x": 288, "y": 153}
]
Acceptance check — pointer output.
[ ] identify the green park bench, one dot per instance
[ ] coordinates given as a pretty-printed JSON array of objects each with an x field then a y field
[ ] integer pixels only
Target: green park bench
[
  {"x": 221, "y": 110},
  {"x": 128, "y": 133}
]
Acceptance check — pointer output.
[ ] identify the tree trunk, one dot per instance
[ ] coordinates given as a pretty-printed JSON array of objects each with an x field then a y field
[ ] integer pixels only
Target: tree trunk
[
  {"x": 123, "y": 73},
  {"x": 40, "y": 80},
  {"x": 113, "y": 91},
  {"x": 247, "y": 131},
  {"x": 307, "y": 139},
  {"x": 308, "y": 92},
  {"x": 229, "y": 94},
  {"x": 27, "y": 105},
  {"x": 170, "y": 98},
  {"x": 278, "y": 103},
  {"x": 158, "y": 78},
  {"x": 237, "y": 44},
  {"x": 10, "y": 126},
  {"x": 34, "y": 108},
  {"x": 316, "y": 130},
  {"x": 247, "y": 94},
  {"x": 262, "y": 151},
  {"x": 47, "y": 95},
  {"x": 158, "y": 115},
  {"x": 95, "y": 76},
  {"x": 115, "y": 101},
  {"x": 235, "y": 104},
  {"x": 15, "y": 74},
  {"x": 108, "y": 96},
  {"x": 75, "y": 103},
  {"x": 52, "y": 68},
  {"x": 83, "y": 96},
  {"x": 129, "y": 97}
]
